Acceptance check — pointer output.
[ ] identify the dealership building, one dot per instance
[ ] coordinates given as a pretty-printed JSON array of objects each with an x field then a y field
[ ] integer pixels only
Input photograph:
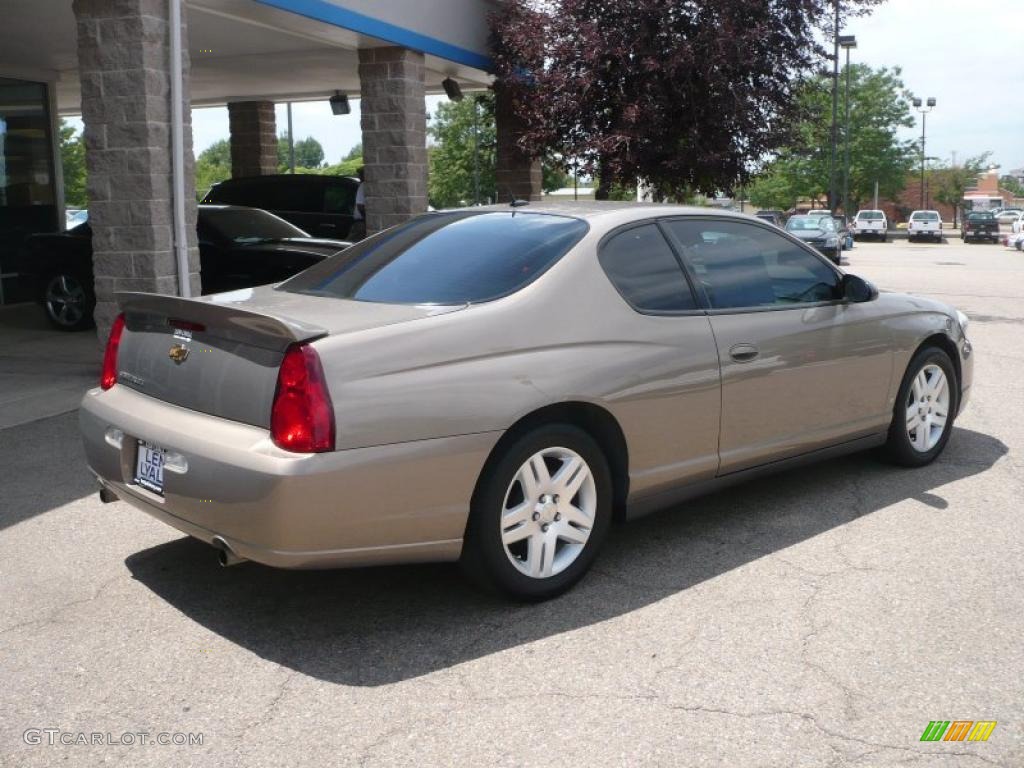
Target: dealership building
[{"x": 133, "y": 68}]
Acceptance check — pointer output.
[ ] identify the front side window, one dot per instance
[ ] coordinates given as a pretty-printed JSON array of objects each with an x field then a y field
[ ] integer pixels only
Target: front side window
[
  {"x": 643, "y": 268},
  {"x": 742, "y": 265},
  {"x": 445, "y": 258}
]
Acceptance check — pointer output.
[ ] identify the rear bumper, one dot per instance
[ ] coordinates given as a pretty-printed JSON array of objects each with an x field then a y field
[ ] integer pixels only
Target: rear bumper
[{"x": 406, "y": 502}]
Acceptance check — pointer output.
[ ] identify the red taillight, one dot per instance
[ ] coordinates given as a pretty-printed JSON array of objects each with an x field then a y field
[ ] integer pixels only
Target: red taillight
[
  {"x": 302, "y": 418},
  {"x": 109, "y": 376}
]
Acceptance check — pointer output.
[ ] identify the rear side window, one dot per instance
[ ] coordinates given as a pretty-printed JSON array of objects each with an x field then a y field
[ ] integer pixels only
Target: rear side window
[
  {"x": 339, "y": 198},
  {"x": 445, "y": 258},
  {"x": 643, "y": 268},
  {"x": 742, "y": 265}
]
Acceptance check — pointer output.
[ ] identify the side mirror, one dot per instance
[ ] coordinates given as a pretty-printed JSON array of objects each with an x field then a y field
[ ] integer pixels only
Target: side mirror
[{"x": 857, "y": 289}]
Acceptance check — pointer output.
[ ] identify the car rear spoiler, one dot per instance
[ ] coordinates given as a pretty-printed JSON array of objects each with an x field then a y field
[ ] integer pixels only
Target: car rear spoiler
[{"x": 152, "y": 311}]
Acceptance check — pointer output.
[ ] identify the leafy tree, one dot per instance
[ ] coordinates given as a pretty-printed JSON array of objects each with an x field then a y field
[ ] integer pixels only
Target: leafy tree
[
  {"x": 309, "y": 153},
  {"x": 72, "y": 156},
  {"x": 878, "y": 110},
  {"x": 1011, "y": 185},
  {"x": 685, "y": 95},
  {"x": 354, "y": 153},
  {"x": 949, "y": 183},
  {"x": 213, "y": 165},
  {"x": 463, "y": 133},
  {"x": 554, "y": 176}
]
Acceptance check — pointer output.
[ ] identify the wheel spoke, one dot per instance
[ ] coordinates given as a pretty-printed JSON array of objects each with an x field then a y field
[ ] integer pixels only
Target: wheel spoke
[
  {"x": 939, "y": 420},
  {"x": 921, "y": 435},
  {"x": 575, "y": 515},
  {"x": 570, "y": 477},
  {"x": 570, "y": 533},
  {"x": 913, "y": 417},
  {"x": 547, "y": 558},
  {"x": 515, "y": 533},
  {"x": 534, "y": 550}
]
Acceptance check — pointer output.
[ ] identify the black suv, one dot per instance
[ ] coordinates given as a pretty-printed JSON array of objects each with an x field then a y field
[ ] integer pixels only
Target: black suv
[{"x": 320, "y": 205}]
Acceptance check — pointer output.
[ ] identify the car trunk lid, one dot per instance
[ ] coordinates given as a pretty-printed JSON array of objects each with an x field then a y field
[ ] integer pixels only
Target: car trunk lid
[{"x": 220, "y": 354}]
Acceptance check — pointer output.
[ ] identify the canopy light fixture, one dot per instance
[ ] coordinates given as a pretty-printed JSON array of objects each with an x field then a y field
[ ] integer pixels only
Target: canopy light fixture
[
  {"x": 340, "y": 105},
  {"x": 452, "y": 89}
]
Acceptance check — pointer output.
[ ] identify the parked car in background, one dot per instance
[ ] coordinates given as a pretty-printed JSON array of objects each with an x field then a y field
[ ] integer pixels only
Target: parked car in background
[
  {"x": 238, "y": 248},
  {"x": 1008, "y": 215},
  {"x": 819, "y": 212},
  {"x": 320, "y": 205},
  {"x": 870, "y": 223},
  {"x": 843, "y": 228},
  {"x": 778, "y": 218},
  {"x": 980, "y": 225},
  {"x": 1017, "y": 224},
  {"x": 820, "y": 233},
  {"x": 75, "y": 216},
  {"x": 925, "y": 224},
  {"x": 372, "y": 410}
]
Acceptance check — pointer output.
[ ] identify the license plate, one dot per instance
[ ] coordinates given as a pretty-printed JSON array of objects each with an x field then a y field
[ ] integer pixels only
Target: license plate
[{"x": 149, "y": 467}]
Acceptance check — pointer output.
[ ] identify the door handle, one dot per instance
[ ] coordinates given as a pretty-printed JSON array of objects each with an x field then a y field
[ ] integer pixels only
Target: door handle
[{"x": 743, "y": 353}]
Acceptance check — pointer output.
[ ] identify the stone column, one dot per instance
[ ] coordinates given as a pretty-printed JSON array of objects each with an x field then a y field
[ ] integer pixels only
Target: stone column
[
  {"x": 124, "y": 64},
  {"x": 516, "y": 174},
  {"x": 253, "y": 129},
  {"x": 394, "y": 123}
]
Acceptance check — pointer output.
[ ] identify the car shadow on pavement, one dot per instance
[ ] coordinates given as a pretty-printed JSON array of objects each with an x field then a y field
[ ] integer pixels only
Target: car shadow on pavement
[
  {"x": 41, "y": 468},
  {"x": 378, "y": 626}
]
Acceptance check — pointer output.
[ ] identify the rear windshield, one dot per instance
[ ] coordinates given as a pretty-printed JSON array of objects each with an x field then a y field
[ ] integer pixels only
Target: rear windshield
[
  {"x": 925, "y": 216},
  {"x": 806, "y": 223},
  {"x": 870, "y": 215},
  {"x": 981, "y": 217},
  {"x": 445, "y": 258}
]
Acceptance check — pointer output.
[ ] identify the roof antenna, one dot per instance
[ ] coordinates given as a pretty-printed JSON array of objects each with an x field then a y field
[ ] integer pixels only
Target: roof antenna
[{"x": 515, "y": 202}]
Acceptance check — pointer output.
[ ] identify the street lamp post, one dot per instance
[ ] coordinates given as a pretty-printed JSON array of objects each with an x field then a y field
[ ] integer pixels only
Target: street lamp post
[
  {"x": 924, "y": 108},
  {"x": 835, "y": 115},
  {"x": 848, "y": 42}
]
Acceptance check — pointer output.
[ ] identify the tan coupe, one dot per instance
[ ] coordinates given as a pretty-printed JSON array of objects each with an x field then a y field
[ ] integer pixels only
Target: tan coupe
[{"x": 497, "y": 384}]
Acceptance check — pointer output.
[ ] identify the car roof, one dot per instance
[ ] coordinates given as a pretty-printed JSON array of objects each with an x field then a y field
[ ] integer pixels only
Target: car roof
[
  {"x": 611, "y": 212},
  {"x": 307, "y": 178}
]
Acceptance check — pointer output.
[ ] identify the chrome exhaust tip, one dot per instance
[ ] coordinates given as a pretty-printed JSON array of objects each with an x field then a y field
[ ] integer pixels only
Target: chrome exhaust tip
[{"x": 225, "y": 555}]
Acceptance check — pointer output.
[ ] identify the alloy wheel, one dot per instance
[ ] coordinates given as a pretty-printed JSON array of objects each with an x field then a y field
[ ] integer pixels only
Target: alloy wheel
[
  {"x": 65, "y": 300},
  {"x": 927, "y": 408},
  {"x": 548, "y": 512}
]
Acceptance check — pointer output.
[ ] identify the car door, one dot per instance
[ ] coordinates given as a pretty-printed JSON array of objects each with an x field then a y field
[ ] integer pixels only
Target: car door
[
  {"x": 666, "y": 394},
  {"x": 339, "y": 204},
  {"x": 801, "y": 368}
]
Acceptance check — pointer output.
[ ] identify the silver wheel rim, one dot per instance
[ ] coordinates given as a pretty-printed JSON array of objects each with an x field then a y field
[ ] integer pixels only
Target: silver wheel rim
[
  {"x": 65, "y": 300},
  {"x": 548, "y": 512},
  {"x": 927, "y": 408}
]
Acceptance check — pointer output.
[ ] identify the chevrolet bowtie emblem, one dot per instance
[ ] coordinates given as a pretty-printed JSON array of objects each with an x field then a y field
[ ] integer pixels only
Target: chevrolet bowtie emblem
[{"x": 178, "y": 353}]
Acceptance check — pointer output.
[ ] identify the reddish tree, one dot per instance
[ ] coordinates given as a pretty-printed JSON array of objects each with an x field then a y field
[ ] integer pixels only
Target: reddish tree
[{"x": 684, "y": 94}]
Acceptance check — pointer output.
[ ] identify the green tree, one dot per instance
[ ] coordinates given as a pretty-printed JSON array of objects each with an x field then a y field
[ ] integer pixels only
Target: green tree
[
  {"x": 463, "y": 151},
  {"x": 879, "y": 108},
  {"x": 213, "y": 165},
  {"x": 309, "y": 153},
  {"x": 72, "y": 157},
  {"x": 949, "y": 183},
  {"x": 354, "y": 153},
  {"x": 1011, "y": 185}
]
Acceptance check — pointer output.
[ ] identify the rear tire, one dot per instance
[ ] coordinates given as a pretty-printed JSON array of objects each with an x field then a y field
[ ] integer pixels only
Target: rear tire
[
  {"x": 539, "y": 515},
  {"x": 925, "y": 410}
]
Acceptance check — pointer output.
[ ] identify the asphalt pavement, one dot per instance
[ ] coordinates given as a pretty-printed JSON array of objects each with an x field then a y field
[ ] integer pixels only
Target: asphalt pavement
[{"x": 821, "y": 617}]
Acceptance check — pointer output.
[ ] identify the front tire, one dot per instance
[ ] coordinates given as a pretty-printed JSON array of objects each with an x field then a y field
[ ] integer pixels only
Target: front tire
[
  {"x": 539, "y": 515},
  {"x": 925, "y": 409}
]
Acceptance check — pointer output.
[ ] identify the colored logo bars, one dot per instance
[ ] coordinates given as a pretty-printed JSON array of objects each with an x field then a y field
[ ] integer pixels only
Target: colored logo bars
[{"x": 958, "y": 730}]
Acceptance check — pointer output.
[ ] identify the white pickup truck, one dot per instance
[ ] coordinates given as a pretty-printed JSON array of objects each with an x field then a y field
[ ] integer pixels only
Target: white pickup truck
[
  {"x": 870, "y": 223},
  {"x": 925, "y": 224}
]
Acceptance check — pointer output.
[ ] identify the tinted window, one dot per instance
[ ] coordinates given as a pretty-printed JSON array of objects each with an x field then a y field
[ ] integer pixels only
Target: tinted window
[
  {"x": 641, "y": 265},
  {"x": 449, "y": 258},
  {"x": 339, "y": 199},
  {"x": 245, "y": 225},
  {"x": 808, "y": 223},
  {"x": 744, "y": 265},
  {"x": 981, "y": 217},
  {"x": 870, "y": 215},
  {"x": 925, "y": 216}
]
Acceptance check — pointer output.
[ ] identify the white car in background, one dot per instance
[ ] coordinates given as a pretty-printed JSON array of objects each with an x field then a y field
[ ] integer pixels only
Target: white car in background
[
  {"x": 1009, "y": 216},
  {"x": 1015, "y": 240},
  {"x": 1017, "y": 223},
  {"x": 870, "y": 223},
  {"x": 925, "y": 224}
]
